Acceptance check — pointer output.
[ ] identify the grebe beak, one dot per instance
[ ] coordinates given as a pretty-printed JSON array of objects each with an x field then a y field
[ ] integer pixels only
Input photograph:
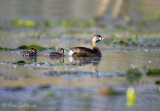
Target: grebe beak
[{"x": 101, "y": 38}]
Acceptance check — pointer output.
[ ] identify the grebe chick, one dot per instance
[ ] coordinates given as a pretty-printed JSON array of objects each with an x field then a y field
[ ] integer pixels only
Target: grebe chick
[
  {"x": 57, "y": 54},
  {"x": 86, "y": 52},
  {"x": 30, "y": 52}
]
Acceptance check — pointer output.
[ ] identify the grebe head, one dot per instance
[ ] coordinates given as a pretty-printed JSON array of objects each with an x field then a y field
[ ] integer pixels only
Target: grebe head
[
  {"x": 61, "y": 51},
  {"x": 97, "y": 38}
]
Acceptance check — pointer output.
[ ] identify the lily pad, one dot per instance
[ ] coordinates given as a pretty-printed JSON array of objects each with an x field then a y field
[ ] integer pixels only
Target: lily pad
[
  {"x": 46, "y": 86},
  {"x": 29, "y": 24},
  {"x": 133, "y": 72},
  {"x": 66, "y": 23},
  {"x": 22, "y": 47},
  {"x": 21, "y": 62},
  {"x": 123, "y": 42},
  {"x": 157, "y": 82},
  {"x": 66, "y": 48},
  {"x": 50, "y": 23},
  {"x": 151, "y": 72},
  {"x": 53, "y": 48},
  {"x": 50, "y": 95},
  {"x": 133, "y": 75},
  {"x": 31, "y": 46},
  {"x": 2, "y": 48},
  {"x": 37, "y": 47},
  {"x": 24, "y": 23}
]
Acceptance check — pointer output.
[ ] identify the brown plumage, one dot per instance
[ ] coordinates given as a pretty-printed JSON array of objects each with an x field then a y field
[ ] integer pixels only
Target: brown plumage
[
  {"x": 30, "y": 52},
  {"x": 57, "y": 54},
  {"x": 86, "y": 52}
]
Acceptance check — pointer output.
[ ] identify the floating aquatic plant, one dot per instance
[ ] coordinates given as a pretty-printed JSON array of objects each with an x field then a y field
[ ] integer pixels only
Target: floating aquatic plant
[
  {"x": 50, "y": 95},
  {"x": 22, "y": 47},
  {"x": 124, "y": 28},
  {"x": 123, "y": 42},
  {"x": 133, "y": 75},
  {"x": 45, "y": 86},
  {"x": 131, "y": 97},
  {"x": 53, "y": 48},
  {"x": 21, "y": 62},
  {"x": 157, "y": 82},
  {"x": 107, "y": 91},
  {"x": 133, "y": 72},
  {"x": 118, "y": 40},
  {"x": 50, "y": 23},
  {"x": 24, "y": 23},
  {"x": 153, "y": 72},
  {"x": 37, "y": 47},
  {"x": 31, "y": 46},
  {"x": 66, "y": 23},
  {"x": 2, "y": 48}
]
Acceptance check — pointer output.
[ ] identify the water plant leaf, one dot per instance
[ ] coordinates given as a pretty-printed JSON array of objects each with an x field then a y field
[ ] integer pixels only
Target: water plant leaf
[
  {"x": 29, "y": 24},
  {"x": 153, "y": 72},
  {"x": 131, "y": 97},
  {"x": 50, "y": 95},
  {"x": 49, "y": 23},
  {"x": 22, "y": 47},
  {"x": 66, "y": 23},
  {"x": 36, "y": 35},
  {"x": 92, "y": 22},
  {"x": 31, "y": 46},
  {"x": 37, "y": 47},
  {"x": 24, "y": 23},
  {"x": 157, "y": 82},
  {"x": 45, "y": 86},
  {"x": 21, "y": 62},
  {"x": 135, "y": 72},
  {"x": 66, "y": 48},
  {"x": 123, "y": 42},
  {"x": 18, "y": 23},
  {"x": 2, "y": 48},
  {"x": 53, "y": 48},
  {"x": 133, "y": 75}
]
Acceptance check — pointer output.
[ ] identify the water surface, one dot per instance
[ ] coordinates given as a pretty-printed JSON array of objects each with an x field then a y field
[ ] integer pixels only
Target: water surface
[{"x": 59, "y": 84}]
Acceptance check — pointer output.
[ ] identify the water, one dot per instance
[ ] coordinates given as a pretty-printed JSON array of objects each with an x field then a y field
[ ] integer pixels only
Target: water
[
  {"x": 48, "y": 84},
  {"x": 60, "y": 85}
]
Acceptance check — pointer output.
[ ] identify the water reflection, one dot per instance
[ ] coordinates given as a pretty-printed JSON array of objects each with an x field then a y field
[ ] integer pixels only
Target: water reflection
[
  {"x": 86, "y": 60},
  {"x": 75, "y": 99},
  {"x": 75, "y": 87},
  {"x": 30, "y": 58},
  {"x": 61, "y": 59}
]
